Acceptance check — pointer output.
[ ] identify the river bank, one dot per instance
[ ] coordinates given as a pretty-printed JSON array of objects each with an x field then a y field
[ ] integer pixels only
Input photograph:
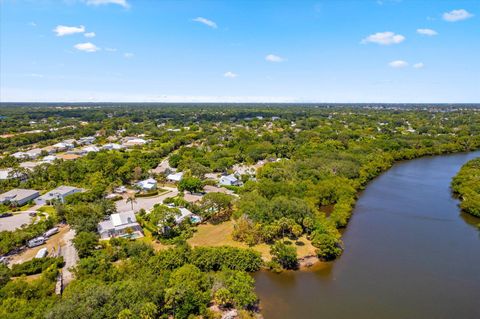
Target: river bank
[{"x": 409, "y": 253}]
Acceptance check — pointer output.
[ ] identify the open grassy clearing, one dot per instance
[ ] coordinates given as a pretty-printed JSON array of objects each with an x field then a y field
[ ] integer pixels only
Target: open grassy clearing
[{"x": 221, "y": 235}]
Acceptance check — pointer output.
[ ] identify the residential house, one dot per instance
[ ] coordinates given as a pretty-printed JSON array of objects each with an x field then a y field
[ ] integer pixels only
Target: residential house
[
  {"x": 130, "y": 142},
  {"x": 19, "y": 196},
  {"x": 90, "y": 148},
  {"x": 120, "y": 190},
  {"x": 63, "y": 146},
  {"x": 175, "y": 178},
  {"x": 86, "y": 140},
  {"x": 29, "y": 165},
  {"x": 112, "y": 146},
  {"x": 163, "y": 168},
  {"x": 49, "y": 159},
  {"x": 58, "y": 193},
  {"x": 68, "y": 157},
  {"x": 148, "y": 184},
  {"x": 34, "y": 153},
  {"x": 184, "y": 214},
  {"x": 120, "y": 225},
  {"x": 9, "y": 173},
  {"x": 49, "y": 149},
  {"x": 229, "y": 180},
  {"x": 20, "y": 155}
]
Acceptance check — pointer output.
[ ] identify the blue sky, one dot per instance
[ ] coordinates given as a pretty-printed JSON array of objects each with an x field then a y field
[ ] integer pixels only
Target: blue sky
[{"x": 265, "y": 51}]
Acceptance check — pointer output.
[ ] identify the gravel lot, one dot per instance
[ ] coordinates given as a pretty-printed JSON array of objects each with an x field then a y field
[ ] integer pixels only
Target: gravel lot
[{"x": 70, "y": 256}]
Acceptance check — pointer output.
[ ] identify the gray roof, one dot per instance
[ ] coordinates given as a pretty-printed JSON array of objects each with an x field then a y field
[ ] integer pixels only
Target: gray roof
[
  {"x": 17, "y": 194},
  {"x": 59, "y": 191}
]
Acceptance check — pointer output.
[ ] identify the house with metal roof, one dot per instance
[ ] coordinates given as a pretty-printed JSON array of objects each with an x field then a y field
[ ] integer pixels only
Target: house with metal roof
[
  {"x": 58, "y": 193},
  {"x": 120, "y": 225},
  {"x": 19, "y": 196}
]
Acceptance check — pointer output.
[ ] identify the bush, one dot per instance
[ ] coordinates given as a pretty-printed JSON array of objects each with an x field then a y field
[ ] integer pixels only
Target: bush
[
  {"x": 147, "y": 194},
  {"x": 285, "y": 255},
  {"x": 36, "y": 266},
  {"x": 216, "y": 258},
  {"x": 328, "y": 246}
]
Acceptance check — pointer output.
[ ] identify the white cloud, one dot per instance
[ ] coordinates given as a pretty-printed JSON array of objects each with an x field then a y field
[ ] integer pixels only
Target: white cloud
[
  {"x": 128, "y": 55},
  {"x": 230, "y": 75},
  {"x": 457, "y": 15},
  {"x": 122, "y": 3},
  {"x": 428, "y": 32},
  {"x": 419, "y": 65},
  {"x": 62, "y": 30},
  {"x": 384, "y": 38},
  {"x": 274, "y": 58},
  {"x": 206, "y": 22},
  {"x": 86, "y": 47},
  {"x": 398, "y": 64},
  {"x": 89, "y": 34}
]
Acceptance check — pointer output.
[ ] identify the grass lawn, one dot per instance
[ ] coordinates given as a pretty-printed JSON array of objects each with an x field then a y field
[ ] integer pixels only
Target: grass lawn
[
  {"x": 221, "y": 235},
  {"x": 26, "y": 207},
  {"x": 149, "y": 239}
]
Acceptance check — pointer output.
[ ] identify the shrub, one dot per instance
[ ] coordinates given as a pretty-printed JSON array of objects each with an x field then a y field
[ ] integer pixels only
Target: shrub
[{"x": 36, "y": 266}]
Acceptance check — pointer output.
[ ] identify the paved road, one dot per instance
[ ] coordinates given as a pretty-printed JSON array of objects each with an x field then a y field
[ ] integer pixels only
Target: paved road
[
  {"x": 145, "y": 202},
  {"x": 15, "y": 221},
  {"x": 70, "y": 257}
]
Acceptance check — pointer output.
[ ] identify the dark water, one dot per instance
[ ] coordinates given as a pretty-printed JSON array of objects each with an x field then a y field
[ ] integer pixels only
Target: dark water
[{"x": 409, "y": 253}]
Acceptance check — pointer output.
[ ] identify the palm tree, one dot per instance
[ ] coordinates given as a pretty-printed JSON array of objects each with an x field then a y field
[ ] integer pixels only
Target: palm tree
[{"x": 131, "y": 200}]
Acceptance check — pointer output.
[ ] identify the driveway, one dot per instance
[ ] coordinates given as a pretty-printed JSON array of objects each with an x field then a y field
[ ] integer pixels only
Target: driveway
[
  {"x": 146, "y": 203},
  {"x": 70, "y": 257},
  {"x": 13, "y": 222}
]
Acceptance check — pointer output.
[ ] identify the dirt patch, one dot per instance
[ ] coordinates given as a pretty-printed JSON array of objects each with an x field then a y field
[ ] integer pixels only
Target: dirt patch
[{"x": 52, "y": 245}]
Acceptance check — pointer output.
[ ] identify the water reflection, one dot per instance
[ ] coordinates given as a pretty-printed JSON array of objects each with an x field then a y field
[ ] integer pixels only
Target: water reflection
[{"x": 410, "y": 253}]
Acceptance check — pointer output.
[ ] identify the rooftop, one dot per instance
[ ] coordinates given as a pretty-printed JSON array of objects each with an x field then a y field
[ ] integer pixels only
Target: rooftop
[{"x": 17, "y": 193}]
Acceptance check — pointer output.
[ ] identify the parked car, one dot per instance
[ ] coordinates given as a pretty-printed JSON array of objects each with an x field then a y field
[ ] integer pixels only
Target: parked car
[{"x": 7, "y": 214}]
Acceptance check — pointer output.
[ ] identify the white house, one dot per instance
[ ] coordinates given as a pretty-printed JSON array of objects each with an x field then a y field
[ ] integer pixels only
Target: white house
[
  {"x": 120, "y": 190},
  {"x": 148, "y": 184},
  {"x": 112, "y": 146},
  {"x": 20, "y": 155},
  {"x": 62, "y": 146},
  {"x": 129, "y": 142},
  {"x": 29, "y": 165},
  {"x": 229, "y": 180},
  {"x": 34, "y": 153},
  {"x": 58, "y": 193},
  {"x": 120, "y": 225},
  {"x": 87, "y": 140},
  {"x": 49, "y": 159},
  {"x": 90, "y": 148},
  {"x": 177, "y": 177},
  {"x": 9, "y": 173}
]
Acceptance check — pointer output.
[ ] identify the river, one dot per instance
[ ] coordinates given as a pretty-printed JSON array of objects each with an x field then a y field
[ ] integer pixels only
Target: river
[{"x": 409, "y": 253}]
